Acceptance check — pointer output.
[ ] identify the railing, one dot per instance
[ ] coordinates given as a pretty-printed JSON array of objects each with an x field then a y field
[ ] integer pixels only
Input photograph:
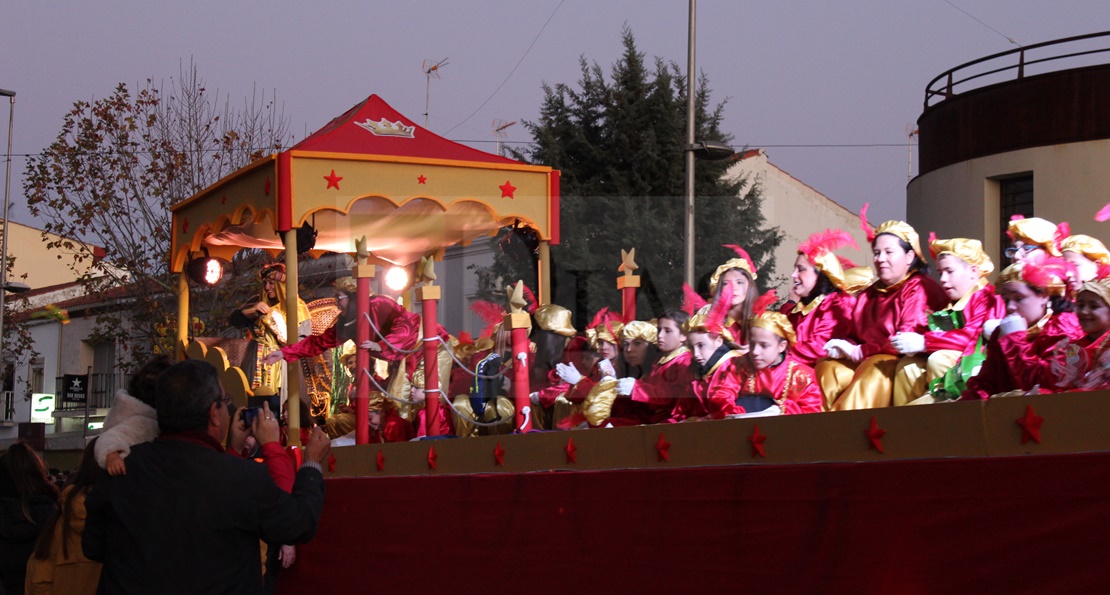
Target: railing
[
  {"x": 1015, "y": 61},
  {"x": 102, "y": 391}
]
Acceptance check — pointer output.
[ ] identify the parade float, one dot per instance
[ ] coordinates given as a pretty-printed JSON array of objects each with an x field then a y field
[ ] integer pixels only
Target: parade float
[{"x": 999, "y": 494}]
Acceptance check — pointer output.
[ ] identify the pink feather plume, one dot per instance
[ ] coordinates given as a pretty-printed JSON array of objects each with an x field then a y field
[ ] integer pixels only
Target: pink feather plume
[
  {"x": 864, "y": 225},
  {"x": 742, "y": 253},
  {"x": 1103, "y": 214},
  {"x": 599, "y": 318},
  {"x": 490, "y": 313},
  {"x": 691, "y": 301},
  {"x": 845, "y": 263},
  {"x": 763, "y": 302},
  {"x": 827, "y": 241},
  {"x": 715, "y": 319},
  {"x": 932, "y": 238},
  {"x": 531, "y": 299}
]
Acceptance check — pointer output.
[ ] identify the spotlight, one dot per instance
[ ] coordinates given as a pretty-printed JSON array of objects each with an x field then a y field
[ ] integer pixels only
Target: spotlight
[
  {"x": 206, "y": 270},
  {"x": 397, "y": 278}
]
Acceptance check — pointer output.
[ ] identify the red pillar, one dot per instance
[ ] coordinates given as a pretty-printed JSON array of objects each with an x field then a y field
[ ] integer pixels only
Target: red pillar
[
  {"x": 429, "y": 296},
  {"x": 628, "y": 284},
  {"x": 362, "y": 274},
  {"x": 519, "y": 323}
]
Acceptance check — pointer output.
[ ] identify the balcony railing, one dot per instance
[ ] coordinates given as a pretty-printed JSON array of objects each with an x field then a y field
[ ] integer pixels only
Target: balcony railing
[{"x": 1015, "y": 64}]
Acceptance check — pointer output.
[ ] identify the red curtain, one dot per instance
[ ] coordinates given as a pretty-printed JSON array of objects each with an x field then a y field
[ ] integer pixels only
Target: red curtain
[{"x": 1026, "y": 524}]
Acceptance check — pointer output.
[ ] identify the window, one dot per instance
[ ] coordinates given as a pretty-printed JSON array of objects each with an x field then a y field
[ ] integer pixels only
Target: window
[{"x": 1015, "y": 196}]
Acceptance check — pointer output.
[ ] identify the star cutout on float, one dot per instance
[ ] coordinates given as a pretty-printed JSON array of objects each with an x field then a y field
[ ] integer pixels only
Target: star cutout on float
[
  {"x": 381, "y": 461},
  {"x": 507, "y": 190},
  {"x": 1030, "y": 425},
  {"x": 185, "y": 225},
  {"x": 757, "y": 441},
  {"x": 432, "y": 458},
  {"x": 875, "y": 436},
  {"x": 333, "y": 180},
  {"x": 266, "y": 187},
  {"x": 421, "y": 180},
  {"x": 572, "y": 451},
  {"x": 499, "y": 455}
]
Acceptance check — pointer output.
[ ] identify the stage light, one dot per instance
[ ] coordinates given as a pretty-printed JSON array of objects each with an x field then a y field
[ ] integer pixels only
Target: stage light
[
  {"x": 206, "y": 270},
  {"x": 397, "y": 278}
]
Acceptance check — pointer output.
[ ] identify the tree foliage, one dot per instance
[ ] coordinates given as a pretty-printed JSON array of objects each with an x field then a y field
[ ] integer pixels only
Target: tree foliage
[
  {"x": 118, "y": 164},
  {"x": 619, "y": 144}
]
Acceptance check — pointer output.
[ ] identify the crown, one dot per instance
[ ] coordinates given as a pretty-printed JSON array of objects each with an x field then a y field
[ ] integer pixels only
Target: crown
[{"x": 384, "y": 127}]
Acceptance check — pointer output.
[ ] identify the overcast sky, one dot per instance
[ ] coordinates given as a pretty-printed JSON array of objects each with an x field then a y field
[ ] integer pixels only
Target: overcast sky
[{"x": 816, "y": 75}]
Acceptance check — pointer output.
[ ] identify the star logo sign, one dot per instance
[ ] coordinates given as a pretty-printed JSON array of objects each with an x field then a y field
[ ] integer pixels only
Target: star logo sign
[{"x": 76, "y": 386}]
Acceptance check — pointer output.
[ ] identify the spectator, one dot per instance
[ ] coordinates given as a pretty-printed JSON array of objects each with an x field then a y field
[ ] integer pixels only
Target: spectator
[
  {"x": 57, "y": 565},
  {"x": 187, "y": 516},
  {"x": 27, "y": 499}
]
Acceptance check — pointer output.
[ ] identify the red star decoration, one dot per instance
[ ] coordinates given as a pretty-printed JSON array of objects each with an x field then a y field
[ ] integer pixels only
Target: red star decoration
[
  {"x": 185, "y": 225},
  {"x": 507, "y": 190},
  {"x": 875, "y": 436},
  {"x": 1030, "y": 425},
  {"x": 223, "y": 199},
  {"x": 381, "y": 461},
  {"x": 499, "y": 455},
  {"x": 432, "y": 458},
  {"x": 421, "y": 180},
  {"x": 572, "y": 451},
  {"x": 266, "y": 187},
  {"x": 331, "y": 462},
  {"x": 757, "y": 441},
  {"x": 333, "y": 180},
  {"x": 664, "y": 448}
]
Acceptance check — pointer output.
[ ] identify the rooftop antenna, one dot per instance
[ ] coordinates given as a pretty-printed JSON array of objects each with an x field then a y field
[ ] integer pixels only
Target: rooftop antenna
[
  {"x": 911, "y": 134},
  {"x": 430, "y": 70},
  {"x": 499, "y": 127}
]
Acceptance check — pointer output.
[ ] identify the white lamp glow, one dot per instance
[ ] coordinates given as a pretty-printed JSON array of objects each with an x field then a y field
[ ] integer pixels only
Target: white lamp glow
[{"x": 396, "y": 278}]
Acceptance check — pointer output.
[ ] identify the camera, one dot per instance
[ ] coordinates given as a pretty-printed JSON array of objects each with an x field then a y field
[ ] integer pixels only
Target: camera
[{"x": 249, "y": 415}]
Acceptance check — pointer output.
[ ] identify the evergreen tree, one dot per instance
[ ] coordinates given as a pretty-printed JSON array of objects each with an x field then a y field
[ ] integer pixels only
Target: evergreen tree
[{"x": 619, "y": 144}]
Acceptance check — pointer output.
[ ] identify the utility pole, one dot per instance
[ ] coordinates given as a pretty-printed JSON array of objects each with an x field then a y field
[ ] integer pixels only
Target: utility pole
[{"x": 430, "y": 70}]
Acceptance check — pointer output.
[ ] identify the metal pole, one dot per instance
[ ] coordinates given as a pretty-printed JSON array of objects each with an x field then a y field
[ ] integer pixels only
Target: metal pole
[
  {"x": 4, "y": 242},
  {"x": 689, "y": 151}
]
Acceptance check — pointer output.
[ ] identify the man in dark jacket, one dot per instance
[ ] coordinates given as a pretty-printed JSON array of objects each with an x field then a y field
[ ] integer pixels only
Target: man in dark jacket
[{"x": 187, "y": 517}]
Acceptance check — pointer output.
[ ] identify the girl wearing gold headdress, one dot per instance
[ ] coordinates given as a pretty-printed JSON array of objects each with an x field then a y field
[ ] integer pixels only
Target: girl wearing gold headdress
[
  {"x": 612, "y": 405},
  {"x": 772, "y": 370},
  {"x": 655, "y": 394},
  {"x": 739, "y": 275},
  {"x": 1030, "y": 236},
  {"x": 1085, "y": 365},
  {"x": 552, "y": 334},
  {"x": 826, "y": 285},
  {"x": 1039, "y": 318},
  {"x": 1086, "y": 254},
  {"x": 955, "y": 332},
  {"x": 859, "y": 373},
  {"x": 716, "y": 378}
]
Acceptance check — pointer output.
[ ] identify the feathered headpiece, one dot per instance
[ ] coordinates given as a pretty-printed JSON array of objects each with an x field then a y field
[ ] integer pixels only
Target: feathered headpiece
[
  {"x": 1089, "y": 247},
  {"x": 1041, "y": 271},
  {"x": 743, "y": 262},
  {"x": 531, "y": 299},
  {"x": 691, "y": 301},
  {"x": 1034, "y": 231},
  {"x": 273, "y": 270},
  {"x": 778, "y": 324},
  {"x": 490, "y": 313},
  {"x": 969, "y": 251},
  {"x": 818, "y": 249},
  {"x": 763, "y": 301},
  {"x": 899, "y": 229},
  {"x": 605, "y": 326},
  {"x": 711, "y": 320}
]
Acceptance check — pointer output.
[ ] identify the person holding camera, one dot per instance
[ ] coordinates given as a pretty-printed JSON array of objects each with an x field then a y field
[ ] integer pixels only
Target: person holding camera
[{"x": 186, "y": 517}]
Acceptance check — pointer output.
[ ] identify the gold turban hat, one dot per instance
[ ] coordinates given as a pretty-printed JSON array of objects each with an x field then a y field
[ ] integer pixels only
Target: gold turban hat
[{"x": 969, "y": 251}]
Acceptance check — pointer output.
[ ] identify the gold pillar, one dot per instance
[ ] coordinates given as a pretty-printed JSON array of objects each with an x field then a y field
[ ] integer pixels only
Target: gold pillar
[
  {"x": 182, "y": 316},
  {"x": 293, "y": 372},
  {"x": 545, "y": 273}
]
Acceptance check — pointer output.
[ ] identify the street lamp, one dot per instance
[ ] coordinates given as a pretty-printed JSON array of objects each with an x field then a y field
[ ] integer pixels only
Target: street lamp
[
  {"x": 4, "y": 242},
  {"x": 711, "y": 150}
]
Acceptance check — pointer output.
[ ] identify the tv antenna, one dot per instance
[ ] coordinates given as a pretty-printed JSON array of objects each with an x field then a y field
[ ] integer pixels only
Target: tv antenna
[
  {"x": 912, "y": 133},
  {"x": 499, "y": 127},
  {"x": 430, "y": 70}
]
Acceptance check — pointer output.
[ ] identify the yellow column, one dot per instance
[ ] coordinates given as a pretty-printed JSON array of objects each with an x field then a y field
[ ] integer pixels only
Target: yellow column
[
  {"x": 182, "y": 315},
  {"x": 545, "y": 273},
  {"x": 293, "y": 375}
]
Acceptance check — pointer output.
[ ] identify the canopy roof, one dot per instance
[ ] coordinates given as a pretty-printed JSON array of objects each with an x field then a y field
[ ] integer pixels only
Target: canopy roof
[{"x": 370, "y": 172}]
